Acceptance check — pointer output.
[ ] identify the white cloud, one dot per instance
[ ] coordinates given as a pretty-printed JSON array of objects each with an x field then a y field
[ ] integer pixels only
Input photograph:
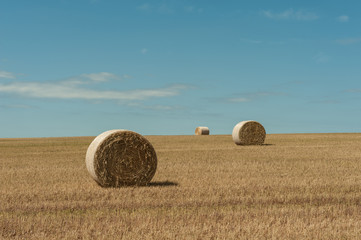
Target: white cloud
[
  {"x": 15, "y": 106},
  {"x": 65, "y": 91},
  {"x": 91, "y": 78},
  {"x": 101, "y": 77},
  {"x": 347, "y": 41},
  {"x": 73, "y": 88},
  {"x": 9, "y": 75},
  {"x": 300, "y": 15},
  {"x": 343, "y": 18}
]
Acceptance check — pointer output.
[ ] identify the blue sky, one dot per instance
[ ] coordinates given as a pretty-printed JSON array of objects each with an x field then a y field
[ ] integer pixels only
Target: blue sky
[{"x": 81, "y": 67}]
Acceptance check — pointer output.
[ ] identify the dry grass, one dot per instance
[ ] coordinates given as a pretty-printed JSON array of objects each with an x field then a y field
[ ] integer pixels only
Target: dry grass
[{"x": 293, "y": 187}]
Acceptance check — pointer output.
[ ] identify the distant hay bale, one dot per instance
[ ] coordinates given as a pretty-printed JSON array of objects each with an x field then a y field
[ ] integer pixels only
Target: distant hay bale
[
  {"x": 249, "y": 133},
  {"x": 121, "y": 158},
  {"x": 202, "y": 131}
]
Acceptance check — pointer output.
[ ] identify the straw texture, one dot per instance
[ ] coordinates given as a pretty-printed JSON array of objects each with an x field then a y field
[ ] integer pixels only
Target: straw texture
[
  {"x": 202, "y": 131},
  {"x": 249, "y": 133},
  {"x": 121, "y": 158}
]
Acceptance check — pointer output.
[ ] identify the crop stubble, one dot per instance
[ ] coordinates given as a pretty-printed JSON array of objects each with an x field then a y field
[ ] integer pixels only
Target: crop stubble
[{"x": 295, "y": 186}]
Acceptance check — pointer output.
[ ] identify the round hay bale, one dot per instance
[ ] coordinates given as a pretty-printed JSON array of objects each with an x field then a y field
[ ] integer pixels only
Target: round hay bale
[
  {"x": 249, "y": 133},
  {"x": 202, "y": 131},
  {"x": 121, "y": 158}
]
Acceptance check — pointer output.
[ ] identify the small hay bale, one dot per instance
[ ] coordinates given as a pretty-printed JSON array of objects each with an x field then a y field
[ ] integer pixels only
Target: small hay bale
[
  {"x": 202, "y": 131},
  {"x": 120, "y": 157},
  {"x": 249, "y": 133}
]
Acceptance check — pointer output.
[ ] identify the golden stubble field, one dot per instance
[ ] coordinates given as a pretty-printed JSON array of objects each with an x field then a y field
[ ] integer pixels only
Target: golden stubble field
[{"x": 295, "y": 186}]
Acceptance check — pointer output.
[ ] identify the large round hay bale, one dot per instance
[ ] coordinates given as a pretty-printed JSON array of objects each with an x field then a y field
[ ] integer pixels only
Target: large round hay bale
[
  {"x": 249, "y": 133},
  {"x": 202, "y": 131},
  {"x": 121, "y": 158}
]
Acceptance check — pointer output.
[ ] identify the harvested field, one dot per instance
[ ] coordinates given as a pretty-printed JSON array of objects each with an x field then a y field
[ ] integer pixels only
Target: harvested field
[{"x": 295, "y": 186}]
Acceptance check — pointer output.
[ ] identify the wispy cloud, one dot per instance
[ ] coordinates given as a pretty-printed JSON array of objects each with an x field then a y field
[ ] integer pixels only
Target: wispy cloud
[
  {"x": 239, "y": 99},
  {"x": 101, "y": 77},
  {"x": 64, "y": 91},
  {"x": 7, "y": 75},
  {"x": 75, "y": 88},
  {"x": 299, "y": 15},
  {"x": 348, "y": 41},
  {"x": 22, "y": 106},
  {"x": 343, "y": 18},
  {"x": 92, "y": 78}
]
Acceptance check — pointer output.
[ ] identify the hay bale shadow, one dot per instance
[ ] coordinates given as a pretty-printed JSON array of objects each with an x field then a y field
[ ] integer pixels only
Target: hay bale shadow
[{"x": 162, "y": 184}]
